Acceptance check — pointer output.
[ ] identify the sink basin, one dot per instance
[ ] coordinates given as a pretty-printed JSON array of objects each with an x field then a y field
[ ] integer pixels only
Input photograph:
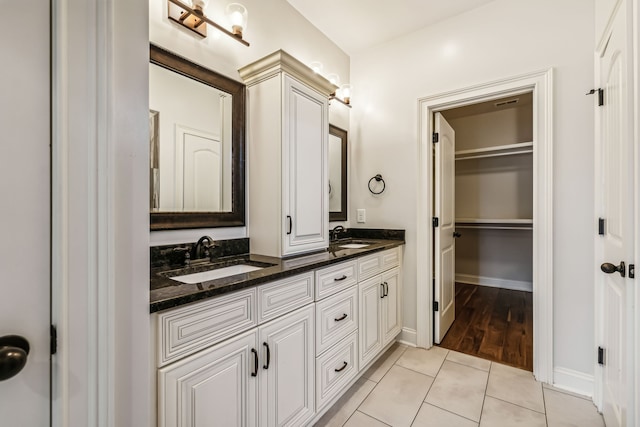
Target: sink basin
[
  {"x": 354, "y": 245},
  {"x": 217, "y": 273}
]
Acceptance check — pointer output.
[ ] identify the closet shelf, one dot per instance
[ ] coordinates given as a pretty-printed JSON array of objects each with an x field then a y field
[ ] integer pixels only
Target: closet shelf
[
  {"x": 495, "y": 224},
  {"x": 495, "y": 151}
]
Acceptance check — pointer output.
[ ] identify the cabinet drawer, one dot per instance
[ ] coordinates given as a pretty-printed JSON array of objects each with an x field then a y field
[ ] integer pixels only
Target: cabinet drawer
[
  {"x": 336, "y": 317},
  {"x": 283, "y": 296},
  {"x": 185, "y": 330},
  {"x": 335, "y": 369},
  {"x": 371, "y": 265},
  {"x": 335, "y": 278}
]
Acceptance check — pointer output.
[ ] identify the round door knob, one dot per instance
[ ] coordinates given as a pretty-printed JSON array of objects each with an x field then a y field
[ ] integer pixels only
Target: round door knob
[
  {"x": 13, "y": 355},
  {"x": 609, "y": 268}
]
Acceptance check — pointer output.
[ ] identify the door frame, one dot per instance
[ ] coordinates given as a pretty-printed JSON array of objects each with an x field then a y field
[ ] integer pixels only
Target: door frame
[
  {"x": 102, "y": 371},
  {"x": 541, "y": 84}
]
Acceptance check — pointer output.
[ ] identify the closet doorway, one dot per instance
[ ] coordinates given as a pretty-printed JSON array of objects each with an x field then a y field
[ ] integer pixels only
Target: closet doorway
[
  {"x": 504, "y": 216},
  {"x": 487, "y": 244}
]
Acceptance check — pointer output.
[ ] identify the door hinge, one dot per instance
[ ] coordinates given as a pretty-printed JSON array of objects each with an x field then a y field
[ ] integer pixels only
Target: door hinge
[
  {"x": 436, "y": 306},
  {"x": 436, "y": 137},
  {"x": 632, "y": 271},
  {"x": 436, "y": 221},
  {"x": 600, "y": 95},
  {"x": 601, "y": 226},
  {"x": 53, "y": 340},
  {"x": 600, "y": 356}
]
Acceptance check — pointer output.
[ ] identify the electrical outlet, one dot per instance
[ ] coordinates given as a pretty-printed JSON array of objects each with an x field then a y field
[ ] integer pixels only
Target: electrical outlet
[{"x": 362, "y": 216}]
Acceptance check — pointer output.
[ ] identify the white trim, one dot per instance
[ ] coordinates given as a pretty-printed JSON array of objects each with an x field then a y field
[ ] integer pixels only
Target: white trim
[
  {"x": 634, "y": 407},
  {"x": 573, "y": 381},
  {"x": 495, "y": 282},
  {"x": 100, "y": 231},
  {"x": 407, "y": 337},
  {"x": 541, "y": 83}
]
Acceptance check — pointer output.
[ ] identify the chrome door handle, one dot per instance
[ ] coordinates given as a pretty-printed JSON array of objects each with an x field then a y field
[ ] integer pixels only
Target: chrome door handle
[
  {"x": 14, "y": 350},
  {"x": 609, "y": 268}
]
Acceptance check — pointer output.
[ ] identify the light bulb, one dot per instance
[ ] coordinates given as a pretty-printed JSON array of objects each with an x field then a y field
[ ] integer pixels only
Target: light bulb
[
  {"x": 199, "y": 5},
  {"x": 316, "y": 67},
  {"x": 334, "y": 79},
  {"x": 345, "y": 91},
  {"x": 238, "y": 15}
]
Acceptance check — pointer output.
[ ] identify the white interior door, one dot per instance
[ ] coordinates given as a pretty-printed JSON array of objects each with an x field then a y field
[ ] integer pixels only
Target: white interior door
[
  {"x": 24, "y": 213},
  {"x": 616, "y": 197},
  {"x": 445, "y": 248},
  {"x": 198, "y": 171},
  {"x": 202, "y": 174}
]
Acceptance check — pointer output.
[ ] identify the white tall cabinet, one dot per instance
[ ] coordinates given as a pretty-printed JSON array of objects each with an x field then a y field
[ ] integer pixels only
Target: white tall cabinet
[{"x": 288, "y": 156}]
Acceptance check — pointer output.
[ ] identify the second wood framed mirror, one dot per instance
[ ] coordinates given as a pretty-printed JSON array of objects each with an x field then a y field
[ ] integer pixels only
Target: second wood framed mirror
[{"x": 337, "y": 174}]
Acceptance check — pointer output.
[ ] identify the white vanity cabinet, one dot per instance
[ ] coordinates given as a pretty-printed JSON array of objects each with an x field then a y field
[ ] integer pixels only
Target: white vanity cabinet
[
  {"x": 287, "y": 156},
  {"x": 336, "y": 330},
  {"x": 214, "y": 387},
  {"x": 380, "y": 302},
  {"x": 287, "y": 374},
  {"x": 265, "y": 376},
  {"x": 280, "y": 353}
]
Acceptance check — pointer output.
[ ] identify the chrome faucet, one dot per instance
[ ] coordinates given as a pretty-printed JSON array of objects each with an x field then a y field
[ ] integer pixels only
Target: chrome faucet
[
  {"x": 333, "y": 234},
  {"x": 198, "y": 251}
]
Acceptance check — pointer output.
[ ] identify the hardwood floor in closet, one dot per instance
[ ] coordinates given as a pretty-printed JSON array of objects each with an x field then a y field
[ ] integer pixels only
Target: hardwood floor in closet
[{"x": 494, "y": 324}]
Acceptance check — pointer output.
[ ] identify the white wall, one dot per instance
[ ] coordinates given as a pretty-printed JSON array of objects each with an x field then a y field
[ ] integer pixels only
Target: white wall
[
  {"x": 501, "y": 39},
  {"x": 272, "y": 25}
]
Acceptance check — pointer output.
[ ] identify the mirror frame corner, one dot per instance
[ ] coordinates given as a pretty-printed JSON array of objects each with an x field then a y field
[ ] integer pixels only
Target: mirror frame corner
[
  {"x": 341, "y": 215},
  {"x": 236, "y": 217}
]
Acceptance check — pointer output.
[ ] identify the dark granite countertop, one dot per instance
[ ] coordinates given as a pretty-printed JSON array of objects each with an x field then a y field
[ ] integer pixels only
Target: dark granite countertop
[{"x": 167, "y": 293}]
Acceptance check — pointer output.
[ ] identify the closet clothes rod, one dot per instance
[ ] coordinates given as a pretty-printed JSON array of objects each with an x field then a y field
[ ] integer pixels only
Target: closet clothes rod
[
  {"x": 482, "y": 156},
  {"x": 495, "y": 151},
  {"x": 493, "y": 227}
]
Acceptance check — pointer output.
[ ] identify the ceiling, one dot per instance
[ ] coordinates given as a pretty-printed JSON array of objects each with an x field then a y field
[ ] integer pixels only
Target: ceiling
[{"x": 355, "y": 25}]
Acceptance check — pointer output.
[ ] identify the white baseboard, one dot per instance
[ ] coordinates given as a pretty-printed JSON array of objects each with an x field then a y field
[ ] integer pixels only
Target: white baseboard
[
  {"x": 573, "y": 381},
  {"x": 408, "y": 337},
  {"x": 494, "y": 282}
]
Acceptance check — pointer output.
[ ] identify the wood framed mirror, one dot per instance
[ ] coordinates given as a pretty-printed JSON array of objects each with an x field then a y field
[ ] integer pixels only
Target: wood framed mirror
[
  {"x": 197, "y": 145},
  {"x": 337, "y": 174}
]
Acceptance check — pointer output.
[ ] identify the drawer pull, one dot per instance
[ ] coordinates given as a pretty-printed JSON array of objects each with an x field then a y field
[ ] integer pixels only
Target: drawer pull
[
  {"x": 255, "y": 363},
  {"x": 338, "y": 279},
  {"x": 341, "y": 369},
  {"x": 341, "y": 318},
  {"x": 382, "y": 295},
  {"x": 386, "y": 289},
  {"x": 266, "y": 366}
]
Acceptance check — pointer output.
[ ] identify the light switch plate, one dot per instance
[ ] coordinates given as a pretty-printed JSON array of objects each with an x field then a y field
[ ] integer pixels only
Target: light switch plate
[{"x": 362, "y": 216}]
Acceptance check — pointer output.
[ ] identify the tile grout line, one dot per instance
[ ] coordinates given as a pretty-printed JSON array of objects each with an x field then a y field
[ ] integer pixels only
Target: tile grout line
[
  {"x": 374, "y": 387},
  {"x": 544, "y": 405},
  {"x": 484, "y": 397},
  {"x": 451, "y": 412},
  {"x": 468, "y": 366}
]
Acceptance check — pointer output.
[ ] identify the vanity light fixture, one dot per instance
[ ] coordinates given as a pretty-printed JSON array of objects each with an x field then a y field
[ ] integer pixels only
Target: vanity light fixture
[
  {"x": 190, "y": 14},
  {"x": 343, "y": 95}
]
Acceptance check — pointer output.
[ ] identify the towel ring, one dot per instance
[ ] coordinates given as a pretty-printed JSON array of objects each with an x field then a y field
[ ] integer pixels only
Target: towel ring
[{"x": 378, "y": 178}]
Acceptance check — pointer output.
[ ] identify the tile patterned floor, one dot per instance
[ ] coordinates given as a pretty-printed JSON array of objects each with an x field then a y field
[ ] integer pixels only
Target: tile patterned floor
[{"x": 444, "y": 388}]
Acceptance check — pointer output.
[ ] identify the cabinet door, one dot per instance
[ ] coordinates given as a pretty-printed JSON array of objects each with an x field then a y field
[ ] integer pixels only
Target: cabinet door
[
  {"x": 305, "y": 183},
  {"x": 212, "y": 387},
  {"x": 391, "y": 305},
  {"x": 287, "y": 369},
  {"x": 370, "y": 326}
]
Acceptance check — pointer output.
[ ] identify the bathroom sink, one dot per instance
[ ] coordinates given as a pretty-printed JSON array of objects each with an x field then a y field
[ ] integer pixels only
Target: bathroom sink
[
  {"x": 354, "y": 245},
  {"x": 218, "y": 273}
]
